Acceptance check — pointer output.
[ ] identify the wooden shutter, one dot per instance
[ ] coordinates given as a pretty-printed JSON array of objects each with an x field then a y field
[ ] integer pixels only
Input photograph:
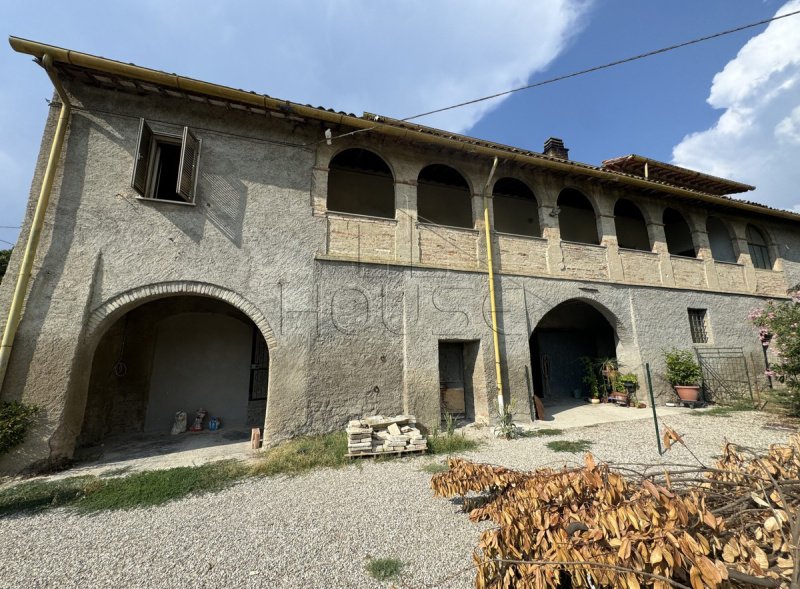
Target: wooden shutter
[
  {"x": 142, "y": 158},
  {"x": 187, "y": 171}
]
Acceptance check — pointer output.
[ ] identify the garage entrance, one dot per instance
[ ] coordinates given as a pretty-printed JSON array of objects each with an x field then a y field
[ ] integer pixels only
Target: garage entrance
[
  {"x": 568, "y": 332},
  {"x": 180, "y": 353}
]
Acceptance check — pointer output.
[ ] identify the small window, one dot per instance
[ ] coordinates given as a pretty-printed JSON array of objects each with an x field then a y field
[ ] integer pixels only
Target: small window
[
  {"x": 166, "y": 165},
  {"x": 698, "y": 325}
]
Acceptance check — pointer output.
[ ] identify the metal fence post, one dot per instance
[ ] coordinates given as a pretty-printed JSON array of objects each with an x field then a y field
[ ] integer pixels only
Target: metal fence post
[{"x": 653, "y": 405}]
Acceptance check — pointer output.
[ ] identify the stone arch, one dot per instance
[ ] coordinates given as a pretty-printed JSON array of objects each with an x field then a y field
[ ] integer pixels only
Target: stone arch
[
  {"x": 578, "y": 216},
  {"x": 631, "y": 225},
  {"x": 373, "y": 150},
  {"x": 444, "y": 196},
  {"x": 361, "y": 182},
  {"x": 720, "y": 239},
  {"x": 121, "y": 303},
  {"x": 516, "y": 209},
  {"x": 574, "y": 328}
]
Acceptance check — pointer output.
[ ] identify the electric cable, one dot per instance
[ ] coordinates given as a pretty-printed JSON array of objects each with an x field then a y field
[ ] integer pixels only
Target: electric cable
[{"x": 577, "y": 73}]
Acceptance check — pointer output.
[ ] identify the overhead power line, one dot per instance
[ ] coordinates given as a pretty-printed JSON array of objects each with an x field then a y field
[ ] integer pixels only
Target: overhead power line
[{"x": 584, "y": 71}]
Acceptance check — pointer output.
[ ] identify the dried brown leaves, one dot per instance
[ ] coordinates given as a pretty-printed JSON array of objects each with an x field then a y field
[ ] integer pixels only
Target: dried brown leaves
[{"x": 732, "y": 525}]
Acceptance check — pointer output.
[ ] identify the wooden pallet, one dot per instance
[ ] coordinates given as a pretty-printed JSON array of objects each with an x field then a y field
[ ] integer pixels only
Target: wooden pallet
[{"x": 394, "y": 453}]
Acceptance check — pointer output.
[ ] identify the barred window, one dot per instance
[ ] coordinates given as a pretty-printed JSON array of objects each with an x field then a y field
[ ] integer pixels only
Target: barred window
[{"x": 698, "y": 326}]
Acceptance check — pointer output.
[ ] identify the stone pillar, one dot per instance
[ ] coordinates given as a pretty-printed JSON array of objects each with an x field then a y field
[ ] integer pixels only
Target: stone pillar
[
  {"x": 659, "y": 240},
  {"x": 740, "y": 242},
  {"x": 405, "y": 198},
  {"x": 700, "y": 239},
  {"x": 477, "y": 217},
  {"x": 608, "y": 238}
]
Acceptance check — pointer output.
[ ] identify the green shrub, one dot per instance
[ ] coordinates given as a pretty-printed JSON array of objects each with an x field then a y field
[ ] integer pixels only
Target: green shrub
[
  {"x": 682, "y": 368},
  {"x": 15, "y": 419}
]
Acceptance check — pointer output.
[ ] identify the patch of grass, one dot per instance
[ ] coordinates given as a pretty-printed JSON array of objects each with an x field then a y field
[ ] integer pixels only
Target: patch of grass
[
  {"x": 724, "y": 410},
  {"x": 435, "y": 468},
  {"x": 36, "y": 495},
  {"x": 542, "y": 433},
  {"x": 450, "y": 444},
  {"x": 384, "y": 569},
  {"x": 155, "y": 487},
  {"x": 303, "y": 454},
  {"x": 569, "y": 446},
  {"x": 142, "y": 489}
]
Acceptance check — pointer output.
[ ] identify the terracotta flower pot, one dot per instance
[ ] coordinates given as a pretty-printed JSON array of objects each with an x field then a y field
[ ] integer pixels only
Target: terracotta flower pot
[{"x": 688, "y": 392}]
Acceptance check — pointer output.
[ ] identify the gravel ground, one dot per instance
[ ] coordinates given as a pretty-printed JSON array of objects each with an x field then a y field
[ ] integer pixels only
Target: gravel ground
[{"x": 319, "y": 529}]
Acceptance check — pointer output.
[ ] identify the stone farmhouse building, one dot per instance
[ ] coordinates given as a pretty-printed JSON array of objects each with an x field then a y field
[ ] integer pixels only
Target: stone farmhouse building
[{"x": 291, "y": 267}]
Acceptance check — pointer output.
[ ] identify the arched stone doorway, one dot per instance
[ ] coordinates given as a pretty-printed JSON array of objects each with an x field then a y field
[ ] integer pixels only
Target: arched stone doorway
[
  {"x": 177, "y": 353},
  {"x": 565, "y": 334}
]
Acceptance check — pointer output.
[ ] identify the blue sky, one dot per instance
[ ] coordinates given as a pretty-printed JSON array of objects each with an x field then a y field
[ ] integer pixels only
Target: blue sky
[{"x": 729, "y": 106}]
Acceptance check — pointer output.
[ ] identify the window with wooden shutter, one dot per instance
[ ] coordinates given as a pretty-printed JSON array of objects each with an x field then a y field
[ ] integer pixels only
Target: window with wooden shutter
[
  {"x": 187, "y": 170},
  {"x": 165, "y": 166},
  {"x": 142, "y": 158}
]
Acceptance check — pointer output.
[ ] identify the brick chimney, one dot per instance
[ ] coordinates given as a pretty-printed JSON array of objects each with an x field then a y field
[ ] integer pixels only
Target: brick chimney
[{"x": 554, "y": 147}]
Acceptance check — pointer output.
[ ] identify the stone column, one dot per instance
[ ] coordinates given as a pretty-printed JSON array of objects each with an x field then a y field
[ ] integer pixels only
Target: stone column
[
  {"x": 608, "y": 238},
  {"x": 703, "y": 247},
  {"x": 405, "y": 197},
  {"x": 659, "y": 240},
  {"x": 480, "y": 226},
  {"x": 740, "y": 242}
]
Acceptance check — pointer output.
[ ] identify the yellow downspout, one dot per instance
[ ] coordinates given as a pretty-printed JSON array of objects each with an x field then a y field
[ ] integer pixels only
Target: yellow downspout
[
  {"x": 23, "y": 278},
  {"x": 490, "y": 261}
]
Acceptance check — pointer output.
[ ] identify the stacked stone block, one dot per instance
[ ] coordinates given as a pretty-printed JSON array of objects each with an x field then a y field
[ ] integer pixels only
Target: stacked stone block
[{"x": 380, "y": 435}]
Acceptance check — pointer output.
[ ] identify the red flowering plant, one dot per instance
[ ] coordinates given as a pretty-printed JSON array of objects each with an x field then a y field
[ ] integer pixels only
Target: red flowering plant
[{"x": 778, "y": 326}]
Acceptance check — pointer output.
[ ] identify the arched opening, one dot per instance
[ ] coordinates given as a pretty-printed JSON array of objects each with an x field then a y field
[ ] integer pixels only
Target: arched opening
[
  {"x": 515, "y": 208},
  {"x": 361, "y": 183},
  {"x": 679, "y": 237},
  {"x": 568, "y": 332},
  {"x": 443, "y": 197},
  {"x": 179, "y": 353},
  {"x": 720, "y": 240},
  {"x": 576, "y": 218},
  {"x": 759, "y": 251},
  {"x": 630, "y": 225}
]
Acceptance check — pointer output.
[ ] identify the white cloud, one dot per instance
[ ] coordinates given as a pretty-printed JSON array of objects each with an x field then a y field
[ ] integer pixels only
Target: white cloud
[
  {"x": 757, "y": 137},
  {"x": 392, "y": 58}
]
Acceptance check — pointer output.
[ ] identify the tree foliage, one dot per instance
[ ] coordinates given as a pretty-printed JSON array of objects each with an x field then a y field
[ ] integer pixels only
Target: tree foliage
[
  {"x": 15, "y": 419},
  {"x": 779, "y": 329},
  {"x": 5, "y": 256}
]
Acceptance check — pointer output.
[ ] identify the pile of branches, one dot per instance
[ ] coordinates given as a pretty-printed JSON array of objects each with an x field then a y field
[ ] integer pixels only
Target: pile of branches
[{"x": 736, "y": 524}]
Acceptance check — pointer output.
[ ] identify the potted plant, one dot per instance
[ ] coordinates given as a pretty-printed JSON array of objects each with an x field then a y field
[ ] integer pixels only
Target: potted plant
[
  {"x": 591, "y": 380},
  {"x": 625, "y": 387},
  {"x": 683, "y": 373}
]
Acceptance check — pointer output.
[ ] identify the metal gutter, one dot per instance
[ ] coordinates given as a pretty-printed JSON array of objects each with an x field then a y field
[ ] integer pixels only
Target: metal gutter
[
  {"x": 174, "y": 81},
  {"x": 23, "y": 278}
]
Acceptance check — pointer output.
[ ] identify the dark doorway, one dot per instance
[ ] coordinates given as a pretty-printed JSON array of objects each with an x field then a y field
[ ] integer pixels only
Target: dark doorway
[
  {"x": 456, "y": 370},
  {"x": 565, "y": 334},
  {"x": 174, "y": 354}
]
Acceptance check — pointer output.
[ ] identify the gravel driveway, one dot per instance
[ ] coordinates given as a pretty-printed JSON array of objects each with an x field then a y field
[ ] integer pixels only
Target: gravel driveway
[{"x": 319, "y": 529}]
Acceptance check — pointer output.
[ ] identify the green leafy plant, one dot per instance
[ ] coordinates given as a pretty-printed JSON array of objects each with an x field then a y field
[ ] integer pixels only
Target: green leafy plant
[
  {"x": 384, "y": 569},
  {"x": 779, "y": 330},
  {"x": 682, "y": 368},
  {"x": 506, "y": 427},
  {"x": 622, "y": 379},
  {"x": 590, "y": 377},
  {"x": 449, "y": 424},
  {"x": 15, "y": 420}
]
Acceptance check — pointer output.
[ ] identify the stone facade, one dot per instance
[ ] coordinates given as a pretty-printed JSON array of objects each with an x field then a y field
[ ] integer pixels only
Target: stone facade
[{"x": 352, "y": 308}]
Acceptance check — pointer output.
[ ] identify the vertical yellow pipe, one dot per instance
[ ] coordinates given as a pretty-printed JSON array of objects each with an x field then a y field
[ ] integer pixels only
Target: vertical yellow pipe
[
  {"x": 23, "y": 278},
  {"x": 492, "y": 303}
]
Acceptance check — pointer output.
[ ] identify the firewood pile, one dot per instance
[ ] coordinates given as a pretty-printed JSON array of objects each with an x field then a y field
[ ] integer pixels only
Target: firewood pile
[
  {"x": 381, "y": 435},
  {"x": 736, "y": 524}
]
